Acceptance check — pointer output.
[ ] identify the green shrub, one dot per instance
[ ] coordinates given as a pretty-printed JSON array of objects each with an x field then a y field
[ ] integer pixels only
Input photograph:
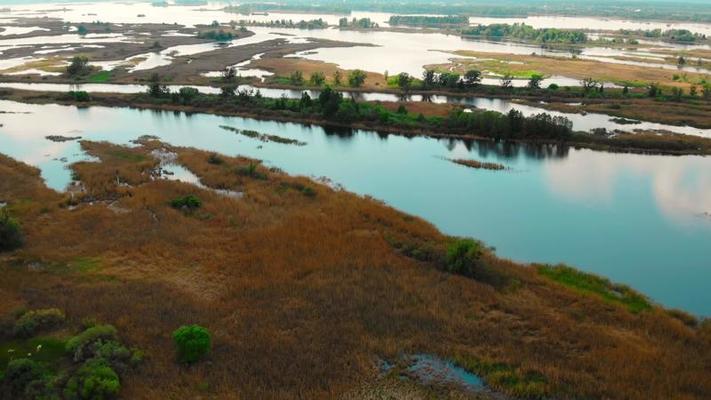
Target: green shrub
[
  {"x": 95, "y": 380},
  {"x": 80, "y": 96},
  {"x": 462, "y": 256},
  {"x": 81, "y": 347},
  {"x": 192, "y": 342},
  {"x": 34, "y": 321},
  {"x": 10, "y": 234},
  {"x": 22, "y": 374},
  {"x": 189, "y": 202}
]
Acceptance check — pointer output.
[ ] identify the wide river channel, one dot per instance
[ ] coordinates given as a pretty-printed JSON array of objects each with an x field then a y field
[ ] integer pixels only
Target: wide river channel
[{"x": 638, "y": 219}]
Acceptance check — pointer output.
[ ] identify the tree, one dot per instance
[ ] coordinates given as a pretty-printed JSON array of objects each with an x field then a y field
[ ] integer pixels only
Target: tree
[
  {"x": 535, "y": 81},
  {"x": 693, "y": 91},
  {"x": 156, "y": 88},
  {"x": 296, "y": 78},
  {"x": 356, "y": 78},
  {"x": 192, "y": 342},
  {"x": 428, "y": 79},
  {"x": 229, "y": 74},
  {"x": 78, "y": 66},
  {"x": 228, "y": 91},
  {"x": 507, "y": 81},
  {"x": 681, "y": 61},
  {"x": 653, "y": 90},
  {"x": 329, "y": 100},
  {"x": 81, "y": 30},
  {"x": 317, "y": 79},
  {"x": 404, "y": 81},
  {"x": 472, "y": 78},
  {"x": 337, "y": 78},
  {"x": 93, "y": 380},
  {"x": 588, "y": 84}
]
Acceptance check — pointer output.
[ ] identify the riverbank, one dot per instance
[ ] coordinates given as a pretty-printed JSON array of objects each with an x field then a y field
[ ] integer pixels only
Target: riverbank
[
  {"x": 396, "y": 122},
  {"x": 115, "y": 251}
]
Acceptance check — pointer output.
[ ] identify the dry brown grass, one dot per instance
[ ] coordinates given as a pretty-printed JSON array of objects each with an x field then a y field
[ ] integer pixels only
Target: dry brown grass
[
  {"x": 285, "y": 66},
  {"x": 574, "y": 68},
  {"x": 303, "y": 292}
]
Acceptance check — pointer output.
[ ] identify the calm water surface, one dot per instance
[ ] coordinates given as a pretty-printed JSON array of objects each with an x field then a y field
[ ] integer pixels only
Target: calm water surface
[{"x": 641, "y": 220}]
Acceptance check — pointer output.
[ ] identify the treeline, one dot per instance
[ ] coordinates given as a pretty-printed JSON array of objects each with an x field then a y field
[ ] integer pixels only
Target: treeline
[
  {"x": 362, "y": 23},
  {"x": 218, "y": 35},
  {"x": 283, "y": 23},
  {"x": 426, "y": 20},
  {"x": 332, "y": 106},
  {"x": 526, "y": 32},
  {"x": 672, "y": 35}
]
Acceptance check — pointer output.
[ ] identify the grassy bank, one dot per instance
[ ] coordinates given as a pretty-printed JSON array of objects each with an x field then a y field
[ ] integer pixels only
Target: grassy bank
[{"x": 305, "y": 289}]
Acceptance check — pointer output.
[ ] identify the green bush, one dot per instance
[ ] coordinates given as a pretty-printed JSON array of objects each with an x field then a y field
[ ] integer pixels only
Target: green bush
[
  {"x": 21, "y": 374},
  {"x": 462, "y": 256},
  {"x": 34, "y": 321},
  {"x": 81, "y": 347},
  {"x": 80, "y": 96},
  {"x": 192, "y": 342},
  {"x": 189, "y": 202},
  {"x": 10, "y": 233},
  {"x": 95, "y": 380}
]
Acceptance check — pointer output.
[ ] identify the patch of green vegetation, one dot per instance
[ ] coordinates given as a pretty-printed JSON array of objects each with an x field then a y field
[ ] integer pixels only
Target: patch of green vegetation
[
  {"x": 85, "y": 264},
  {"x": 189, "y": 203},
  {"x": 43, "y": 349},
  {"x": 192, "y": 343},
  {"x": 100, "y": 77},
  {"x": 11, "y": 236},
  {"x": 35, "y": 321},
  {"x": 127, "y": 155},
  {"x": 595, "y": 285},
  {"x": 516, "y": 381}
]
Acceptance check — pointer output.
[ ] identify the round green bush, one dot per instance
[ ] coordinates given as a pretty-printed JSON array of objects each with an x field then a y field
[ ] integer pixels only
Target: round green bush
[
  {"x": 20, "y": 374},
  {"x": 95, "y": 380},
  {"x": 192, "y": 342}
]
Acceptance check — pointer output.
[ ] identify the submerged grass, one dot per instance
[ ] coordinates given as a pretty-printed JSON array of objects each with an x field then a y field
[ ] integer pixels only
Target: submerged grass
[{"x": 592, "y": 284}]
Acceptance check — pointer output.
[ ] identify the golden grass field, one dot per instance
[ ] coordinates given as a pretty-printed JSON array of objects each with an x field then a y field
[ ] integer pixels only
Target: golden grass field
[
  {"x": 573, "y": 68},
  {"x": 305, "y": 290}
]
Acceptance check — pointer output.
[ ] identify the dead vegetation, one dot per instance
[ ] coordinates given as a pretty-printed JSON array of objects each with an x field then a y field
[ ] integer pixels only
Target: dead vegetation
[{"x": 305, "y": 289}]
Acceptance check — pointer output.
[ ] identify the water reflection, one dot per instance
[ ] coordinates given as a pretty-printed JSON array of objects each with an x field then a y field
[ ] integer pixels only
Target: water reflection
[{"x": 630, "y": 217}]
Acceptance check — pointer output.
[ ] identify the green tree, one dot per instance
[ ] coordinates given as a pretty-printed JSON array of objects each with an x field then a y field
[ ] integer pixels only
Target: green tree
[
  {"x": 296, "y": 78},
  {"x": 156, "y": 88},
  {"x": 472, "y": 78},
  {"x": 404, "y": 81},
  {"x": 356, "y": 78},
  {"x": 79, "y": 66},
  {"x": 535, "y": 81},
  {"x": 317, "y": 79},
  {"x": 229, "y": 75},
  {"x": 507, "y": 81},
  {"x": 428, "y": 79},
  {"x": 192, "y": 342},
  {"x": 337, "y": 78}
]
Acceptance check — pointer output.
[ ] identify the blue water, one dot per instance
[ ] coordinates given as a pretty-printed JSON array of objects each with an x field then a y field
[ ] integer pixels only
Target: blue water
[
  {"x": 431, "y": 370},
  {"x": 636, "y": 219}
]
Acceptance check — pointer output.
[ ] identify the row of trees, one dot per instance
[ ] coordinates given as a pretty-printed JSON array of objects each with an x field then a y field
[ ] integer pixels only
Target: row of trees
[
  {"x": 362, "y": 23},
  {"x": 333, "y": 106},
  {"x": 284, "y": 23},
  {"x": 526, "y": 32},
  {"x": 354, "y": 79},
  {"x": 428, "y": 20}
]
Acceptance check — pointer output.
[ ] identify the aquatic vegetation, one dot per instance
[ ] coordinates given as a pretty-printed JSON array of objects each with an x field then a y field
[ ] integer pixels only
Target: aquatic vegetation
[
  {"x": 479, "y": 164},
  {"x": 192, "y": 342},
  {"x": 592, "y": 284}
]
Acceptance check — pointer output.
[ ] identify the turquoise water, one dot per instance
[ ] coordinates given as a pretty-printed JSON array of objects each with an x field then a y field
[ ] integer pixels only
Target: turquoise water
[{"x": 640, "y": 220}]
